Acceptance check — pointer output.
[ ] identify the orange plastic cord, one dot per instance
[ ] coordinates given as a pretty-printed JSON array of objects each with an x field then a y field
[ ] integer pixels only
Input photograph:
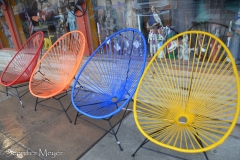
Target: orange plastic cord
[{"x": 57, "y": 68}]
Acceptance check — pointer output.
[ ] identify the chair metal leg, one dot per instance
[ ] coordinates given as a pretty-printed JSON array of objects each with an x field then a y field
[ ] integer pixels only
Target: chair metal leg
[
  {"x": 58, "y": 99},
  {"x": 110, "y": 130},
  {"x": 200, "y": 142},
  {"x": 142, "y": 144},
  {"x": 206, "y": 155},
  {"x": 19, "y": 98},
  {"x": 122, "y": 118},
  {"x": 64, "y": 110},
  {"x": 36, "y": 104},
  {"x": 39, "y": 69},
  {"x": 7, "y": 91},
  {"x": 75, "y": 122},
  {"x": 115, "y": 135},
  {"x": 69, "y": 106}
]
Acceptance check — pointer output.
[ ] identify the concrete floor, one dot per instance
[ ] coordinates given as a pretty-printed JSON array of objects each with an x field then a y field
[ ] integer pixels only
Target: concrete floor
[
  {"x": 47, "y": 134},
  {"x": 131, "y": 138}
]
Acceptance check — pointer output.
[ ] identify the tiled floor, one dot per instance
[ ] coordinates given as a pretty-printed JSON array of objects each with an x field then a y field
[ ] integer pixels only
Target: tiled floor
[
  {"x": 2, "y": 96},
  {"x": 130, "y": 138},
  {"x": 46, "y": 130}
]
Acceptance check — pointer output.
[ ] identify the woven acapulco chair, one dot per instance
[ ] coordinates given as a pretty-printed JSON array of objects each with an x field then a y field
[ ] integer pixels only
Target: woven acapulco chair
[
  {"x": 19, "y": 70},
  {"x": 210, "y": 27},
  {"x": 107, "y": 81},
  {"x": 225, "y": 33},
  {"x": 58, "y": 68},
  {"x": 184, "y": 104}
]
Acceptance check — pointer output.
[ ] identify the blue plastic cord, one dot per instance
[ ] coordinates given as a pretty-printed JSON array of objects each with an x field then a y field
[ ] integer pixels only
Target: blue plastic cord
[{"x": 112, "y": 74}]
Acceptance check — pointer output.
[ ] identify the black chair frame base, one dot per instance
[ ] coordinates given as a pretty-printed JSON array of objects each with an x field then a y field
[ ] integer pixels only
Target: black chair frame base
[
  {"x": 17, "y": 94},
  {"x": 39, "y": 68},
  {"x": 58, "y": 98},
  {"x": 111, "y": 129},
  {"x": 146, "y": 141}
]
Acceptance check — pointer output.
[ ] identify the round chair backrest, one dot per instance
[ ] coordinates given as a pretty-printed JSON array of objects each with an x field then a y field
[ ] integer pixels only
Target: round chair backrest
[
  {"x": 212, "y": 27},
  {"x": 58, "y": 66},
  {"x": 184, "y": 104},
  {"x": 108, "y": 79},
  {"x": 21, "y": 66}
]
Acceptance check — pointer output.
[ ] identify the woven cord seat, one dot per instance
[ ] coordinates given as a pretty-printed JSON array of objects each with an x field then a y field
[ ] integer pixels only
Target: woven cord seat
[
  {"x": 20, "y": 68},
  {"x": 184, "y": 104},
  {"x": 108, "y": 79},
  {"x": 58, "y": 68}
]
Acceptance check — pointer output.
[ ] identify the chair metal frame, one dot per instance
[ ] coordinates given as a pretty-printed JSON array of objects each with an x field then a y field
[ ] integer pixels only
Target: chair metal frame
[
  {"x": 65, "y": 47},
  {"x": 114, "y": 50},
  {"x": 182, "y": 104},
  {"x": 210, "y": 26},
  {"x": 33, "y": 40}
]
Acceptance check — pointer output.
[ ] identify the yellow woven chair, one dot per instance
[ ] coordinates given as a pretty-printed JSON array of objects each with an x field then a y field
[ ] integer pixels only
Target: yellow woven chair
[{"x": 185, "y": 104}]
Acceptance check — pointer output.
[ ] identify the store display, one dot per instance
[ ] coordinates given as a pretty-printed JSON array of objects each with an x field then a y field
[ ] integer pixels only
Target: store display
[
  {"x": 165, "y": 18},
  {"x": 215, "y": 46},
  {"x": 110, "y": 18},
  {"x": 152, "y": 40},
  {"x": 5, "y": 35},
  {"x": 234, "y": 45},
  {"x": 154, "y": 19},
  {"x": 160, "y": 40},
  {"x": 131, "y": 14},
  {"x": 71, "y": 21}
]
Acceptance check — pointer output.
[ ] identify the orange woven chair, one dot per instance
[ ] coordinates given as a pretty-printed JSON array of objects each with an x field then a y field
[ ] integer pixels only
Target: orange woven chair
[
  {"x": 58, "y": 68},
  {"x": 19, "y": 70}
]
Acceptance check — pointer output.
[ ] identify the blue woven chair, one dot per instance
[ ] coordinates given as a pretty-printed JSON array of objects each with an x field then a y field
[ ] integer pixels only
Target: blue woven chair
[{"x": 108, "y": 79}]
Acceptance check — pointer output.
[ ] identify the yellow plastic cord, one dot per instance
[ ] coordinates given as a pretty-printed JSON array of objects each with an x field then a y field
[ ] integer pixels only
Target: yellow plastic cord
[{"x": 188, "y": 101}]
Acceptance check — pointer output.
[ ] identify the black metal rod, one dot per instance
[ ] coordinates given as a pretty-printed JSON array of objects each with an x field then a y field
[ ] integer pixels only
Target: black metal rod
[
  {"x": 50, "y": 107},
  {"x": 39, "y": 68},
  {"x": 122, "y": 118},
  {"x": 14, "y": 94},
  {"x": 108, "y": 131},
  {"x": 141, "y": 145},
  {"x": 64, "y": 110},
  {"x": 111, "y": 130},
  {"x": 36, "y": 104},
  {"x": 206, "y": 156},
  {"x": 69, "y": 106},
  {"x": 43, "y": 100},
  {"x": 76, "y": 118},
  {"x": 146, "y": 140},
  {"x": 164, "y": 153},
  {"x": 19, "y": 98},
  {"x": 200, "y": 142},
  {"x": 24, "y": 93},
  {"x": 61, "y": 110},
  {"x": 7, "y": 91},
  {"x": 18, "y": 86},
  {"x": 63, "y": 94},
  {"x": 115, "y": 135}
]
